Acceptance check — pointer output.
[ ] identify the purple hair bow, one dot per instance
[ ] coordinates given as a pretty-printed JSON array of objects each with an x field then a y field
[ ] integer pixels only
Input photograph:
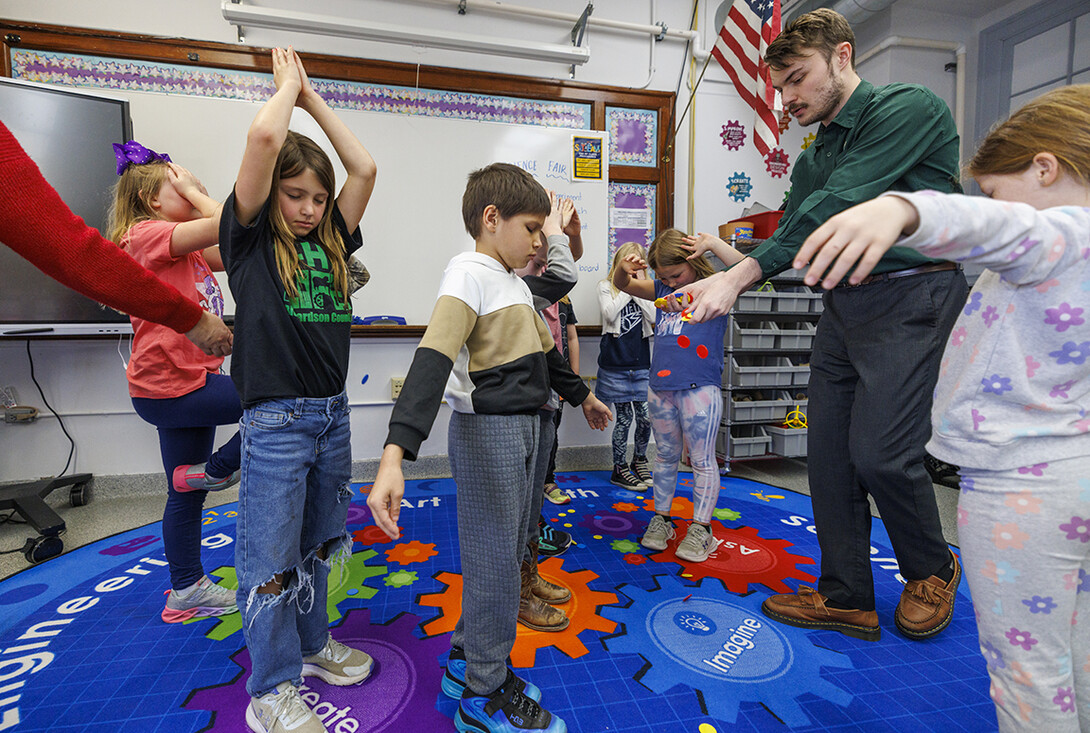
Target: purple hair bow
[{"x": 134, "y": 152}]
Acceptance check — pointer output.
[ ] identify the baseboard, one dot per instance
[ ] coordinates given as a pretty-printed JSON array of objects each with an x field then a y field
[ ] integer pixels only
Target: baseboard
[{"x": 105, "y": 486}]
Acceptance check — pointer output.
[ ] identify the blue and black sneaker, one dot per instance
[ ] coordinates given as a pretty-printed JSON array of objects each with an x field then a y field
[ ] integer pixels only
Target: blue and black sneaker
[
  {"x": 454, "y": 679},
  {"x": 504, "y": 711},
  {"x": 553, "y": 541}
]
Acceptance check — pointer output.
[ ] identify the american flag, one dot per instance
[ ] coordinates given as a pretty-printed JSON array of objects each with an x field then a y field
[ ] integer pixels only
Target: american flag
[{"x": 748, "y": 29}]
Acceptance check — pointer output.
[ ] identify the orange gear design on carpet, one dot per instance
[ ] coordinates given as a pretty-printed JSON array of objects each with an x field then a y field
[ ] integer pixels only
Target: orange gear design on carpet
[
  {"x": 743, "y": 557},
  {"x": 410, "y": 552},
  {"x": 582, "y": 611},
  {"x": 680, "y": 507}
]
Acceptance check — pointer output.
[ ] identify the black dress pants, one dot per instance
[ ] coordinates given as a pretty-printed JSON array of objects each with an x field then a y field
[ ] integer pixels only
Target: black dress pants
[{"x": 873, "y": 370}]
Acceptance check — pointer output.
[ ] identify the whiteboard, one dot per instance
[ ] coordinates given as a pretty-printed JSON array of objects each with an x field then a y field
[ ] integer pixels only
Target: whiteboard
[{"x": 413, "y": 224}]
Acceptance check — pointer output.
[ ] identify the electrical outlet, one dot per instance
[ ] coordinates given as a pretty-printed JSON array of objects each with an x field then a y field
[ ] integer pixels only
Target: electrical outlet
[
  {"x": 20, "y": 413},
  {"x": 396, "y": 383}
]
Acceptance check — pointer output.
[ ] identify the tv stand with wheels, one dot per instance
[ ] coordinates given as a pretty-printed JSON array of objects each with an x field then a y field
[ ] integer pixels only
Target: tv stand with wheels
[{"x": 28, "y": 500}]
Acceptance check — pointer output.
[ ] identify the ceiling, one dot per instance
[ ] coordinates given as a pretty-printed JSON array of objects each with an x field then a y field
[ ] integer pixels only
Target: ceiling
[{"x": 862, "y": 8}]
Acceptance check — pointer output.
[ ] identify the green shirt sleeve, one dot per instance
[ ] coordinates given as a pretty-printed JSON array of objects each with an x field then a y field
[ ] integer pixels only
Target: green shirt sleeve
[{"x": 899, "y": 137}]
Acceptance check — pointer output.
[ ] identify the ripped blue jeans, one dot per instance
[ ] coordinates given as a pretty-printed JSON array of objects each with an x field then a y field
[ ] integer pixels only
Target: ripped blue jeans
[{"x": 293, "y": 504}]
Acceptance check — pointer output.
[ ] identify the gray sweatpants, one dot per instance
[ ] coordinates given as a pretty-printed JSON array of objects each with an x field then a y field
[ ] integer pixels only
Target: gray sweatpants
[
  {"x": 545, "y": 444},
  {"x": 492, "y": 459}
]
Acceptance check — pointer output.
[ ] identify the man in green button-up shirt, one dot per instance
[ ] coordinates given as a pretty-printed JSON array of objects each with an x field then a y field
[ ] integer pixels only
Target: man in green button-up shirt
[{"x": 876, "y": 354}]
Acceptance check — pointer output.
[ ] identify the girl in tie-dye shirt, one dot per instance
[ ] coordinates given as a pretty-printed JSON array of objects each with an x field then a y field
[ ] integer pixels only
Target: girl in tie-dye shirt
[{"x": 1012, "y": 405}]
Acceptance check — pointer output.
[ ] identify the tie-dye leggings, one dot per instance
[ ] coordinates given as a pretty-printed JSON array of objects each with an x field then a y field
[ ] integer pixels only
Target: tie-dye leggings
[
  {"x": 1025, "y": 540},
  {"x": 687, "y": 417},
  {"x": 625, "y": 411}
]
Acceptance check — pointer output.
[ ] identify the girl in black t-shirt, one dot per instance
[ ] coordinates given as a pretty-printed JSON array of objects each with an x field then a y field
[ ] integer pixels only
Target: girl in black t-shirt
[{"x": 285, "y": 242}]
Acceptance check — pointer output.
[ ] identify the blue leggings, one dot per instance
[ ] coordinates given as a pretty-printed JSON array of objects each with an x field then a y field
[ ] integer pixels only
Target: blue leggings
[{"x": 187, "y": 432}]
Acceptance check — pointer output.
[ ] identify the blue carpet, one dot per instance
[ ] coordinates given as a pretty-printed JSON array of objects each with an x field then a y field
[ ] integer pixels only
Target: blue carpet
[{"x": 655, "y": 644}]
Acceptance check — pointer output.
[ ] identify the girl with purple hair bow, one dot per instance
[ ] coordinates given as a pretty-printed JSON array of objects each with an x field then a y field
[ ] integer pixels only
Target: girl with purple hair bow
[
  {"x": 164, "y": 218},
  {"x": 133, "y": 152}
]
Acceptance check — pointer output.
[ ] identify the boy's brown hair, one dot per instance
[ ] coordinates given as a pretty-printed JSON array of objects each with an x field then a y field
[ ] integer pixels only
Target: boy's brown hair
[
  {"x": 509, "y": 188},
  {"x": 820, "y": 30},
  {"x": 1056, "y": 122}
]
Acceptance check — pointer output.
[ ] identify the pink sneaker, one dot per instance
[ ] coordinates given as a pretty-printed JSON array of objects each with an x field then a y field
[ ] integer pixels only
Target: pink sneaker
[
  {"x": 193, "y": 478},
  {"x": 200, "y": 600}
]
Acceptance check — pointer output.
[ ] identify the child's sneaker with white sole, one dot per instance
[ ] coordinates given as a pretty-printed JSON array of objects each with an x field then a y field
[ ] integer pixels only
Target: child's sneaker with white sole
[
  {"x": 282, "y": 711},
  {"x": 200, "y": 600},
  {"x": 338, "y": 664}
]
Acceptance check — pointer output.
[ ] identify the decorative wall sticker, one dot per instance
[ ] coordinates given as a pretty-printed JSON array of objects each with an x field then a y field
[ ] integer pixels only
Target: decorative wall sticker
[
  {"x": 777, "y": 162},
  {"x": 739, "y": 186},
  {"x": 733, "y": 135}
]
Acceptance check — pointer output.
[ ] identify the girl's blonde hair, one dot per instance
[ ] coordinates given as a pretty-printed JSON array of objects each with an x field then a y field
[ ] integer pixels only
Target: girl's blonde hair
[
  {"x": 135, "y": 188},
  {"x": 628, "y": 248},
  {"x": 297, "y": 154},
  {"x": 1056, "y": 122},
  {"x": 667, "y": 251}
]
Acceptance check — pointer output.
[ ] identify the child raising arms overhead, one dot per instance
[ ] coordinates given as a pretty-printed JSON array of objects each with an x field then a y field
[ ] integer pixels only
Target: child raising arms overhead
[
  {"x": 163, "y": 218},
  {"x": 285, "y": 240},
  {"x": 1012, "y": 403},
  {"x": 685, "y": 397}
]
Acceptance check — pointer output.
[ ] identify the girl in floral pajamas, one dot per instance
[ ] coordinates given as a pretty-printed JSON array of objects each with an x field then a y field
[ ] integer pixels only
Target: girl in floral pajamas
[{"x": 1012, "y": 405}]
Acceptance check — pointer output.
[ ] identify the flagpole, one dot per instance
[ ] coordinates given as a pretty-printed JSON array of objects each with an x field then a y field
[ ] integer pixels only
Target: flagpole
[
  {"x": 692, "y": 96},
  {"x": 667, "y": 155}
]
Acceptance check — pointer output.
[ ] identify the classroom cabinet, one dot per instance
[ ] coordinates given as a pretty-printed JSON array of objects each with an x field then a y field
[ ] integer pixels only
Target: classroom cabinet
[{"x": 767, "y": 370}]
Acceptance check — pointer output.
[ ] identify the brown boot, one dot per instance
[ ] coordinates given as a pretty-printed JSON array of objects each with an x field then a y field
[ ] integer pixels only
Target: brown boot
[
  {"x": 551, "y": 593},
  {"x": 533, "y": 612}
]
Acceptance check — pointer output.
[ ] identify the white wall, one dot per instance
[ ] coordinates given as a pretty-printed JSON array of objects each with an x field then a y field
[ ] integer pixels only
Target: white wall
[
  {"x": 84, "y": 380},
  {"x": 924, "y": 66}
]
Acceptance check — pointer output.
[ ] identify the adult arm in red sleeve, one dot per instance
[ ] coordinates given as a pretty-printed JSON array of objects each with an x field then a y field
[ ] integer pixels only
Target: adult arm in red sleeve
[{"x": 40, "y": 227}]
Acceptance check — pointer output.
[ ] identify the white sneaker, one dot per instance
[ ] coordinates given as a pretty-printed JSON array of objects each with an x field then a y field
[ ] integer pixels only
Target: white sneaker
[
  {"x": 282, "y": 711},
  {"x": 659, "y": 531},
  {"x": 200, "y": 600},
  {"x": 337, "y": 664},
  {"x": 699, "y": 542}
]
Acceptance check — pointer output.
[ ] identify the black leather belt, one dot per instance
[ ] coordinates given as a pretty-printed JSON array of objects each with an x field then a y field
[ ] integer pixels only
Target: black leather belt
[{"x": 908, "y": 271}]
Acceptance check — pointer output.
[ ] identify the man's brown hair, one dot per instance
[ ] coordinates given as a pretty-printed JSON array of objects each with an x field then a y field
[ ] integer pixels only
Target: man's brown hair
[{"x": 819, "y": 30}]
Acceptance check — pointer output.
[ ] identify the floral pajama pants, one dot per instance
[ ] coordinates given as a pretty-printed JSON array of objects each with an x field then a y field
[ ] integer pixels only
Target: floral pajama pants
[{"x": 1025, "y": 540}]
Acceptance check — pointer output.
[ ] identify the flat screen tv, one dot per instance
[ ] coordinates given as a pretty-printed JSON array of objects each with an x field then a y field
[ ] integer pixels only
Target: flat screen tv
[{"x": 68, "y": 133}]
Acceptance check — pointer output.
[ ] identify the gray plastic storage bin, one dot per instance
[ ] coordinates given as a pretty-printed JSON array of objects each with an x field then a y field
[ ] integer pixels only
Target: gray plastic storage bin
[
  {"x": 746, "y": 442},
  {"x": 800, "y": 373},
  {"x": 753, "y": 336},
  {"x": 763, "y": 371},
  {"x": 787, "y": 442},
  {"x": 791, "y": 302},
  {"x": 795, "y": 335},
  {"x": 754, "y": 301},
  {"x": 742, "y": 411}
]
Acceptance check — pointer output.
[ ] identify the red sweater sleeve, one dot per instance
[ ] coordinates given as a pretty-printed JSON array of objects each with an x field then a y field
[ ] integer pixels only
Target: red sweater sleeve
[{"x": 61, "y": 245}]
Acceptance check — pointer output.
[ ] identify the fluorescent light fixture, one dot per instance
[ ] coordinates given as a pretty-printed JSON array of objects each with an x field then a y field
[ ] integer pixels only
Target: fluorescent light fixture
[{"x": 328, "y": 25}]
